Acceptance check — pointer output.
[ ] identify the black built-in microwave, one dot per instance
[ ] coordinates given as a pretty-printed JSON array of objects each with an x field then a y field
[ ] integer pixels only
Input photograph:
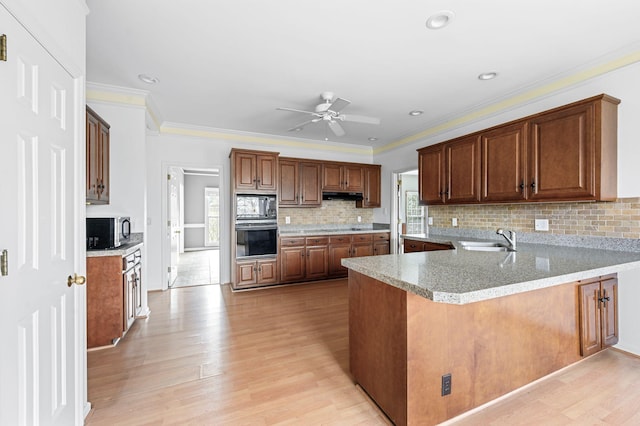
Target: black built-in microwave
[{"x": 107, "y": 232}]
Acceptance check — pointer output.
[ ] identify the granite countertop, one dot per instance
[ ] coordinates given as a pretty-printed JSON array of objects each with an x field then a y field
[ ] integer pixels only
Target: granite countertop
[
  {"x": 123, "y": 250},
  {"x": 461, "y": 276}
]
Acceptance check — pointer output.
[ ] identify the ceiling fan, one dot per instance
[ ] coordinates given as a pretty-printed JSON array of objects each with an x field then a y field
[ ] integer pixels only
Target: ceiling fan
[{"x": 329, "y": 111}]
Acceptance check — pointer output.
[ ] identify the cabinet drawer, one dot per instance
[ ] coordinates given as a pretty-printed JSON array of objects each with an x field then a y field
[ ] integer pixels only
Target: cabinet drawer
[
  {"x": 340, "y": 239},
  {"x": 317, "y": 241},
  {"x": 381, "y": 236},
  {"x": 292, "y": 242},
  {"x": 362, "y": 238}
]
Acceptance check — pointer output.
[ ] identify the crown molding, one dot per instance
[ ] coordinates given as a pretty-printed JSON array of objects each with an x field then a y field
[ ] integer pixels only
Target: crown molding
[{"x": 550, "y": 86}]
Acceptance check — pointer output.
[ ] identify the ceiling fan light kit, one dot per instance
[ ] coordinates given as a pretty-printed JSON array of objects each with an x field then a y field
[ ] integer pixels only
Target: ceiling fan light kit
[{"x": 330, "y": 111}]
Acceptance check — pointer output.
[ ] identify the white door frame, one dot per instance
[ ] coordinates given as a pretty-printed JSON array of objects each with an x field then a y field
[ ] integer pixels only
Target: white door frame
[
  {"x": 224, "y": 195},
  {"x": 395, "y": 214}
]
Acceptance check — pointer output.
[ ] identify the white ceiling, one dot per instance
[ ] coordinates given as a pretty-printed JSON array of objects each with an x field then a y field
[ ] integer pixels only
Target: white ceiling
[{"x": 228, "y": 64}]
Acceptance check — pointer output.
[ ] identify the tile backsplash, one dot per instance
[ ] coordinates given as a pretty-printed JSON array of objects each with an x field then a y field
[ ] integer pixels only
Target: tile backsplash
[
  {"x": 617, "y": 219},
  {"x": 335, "y": 212}
]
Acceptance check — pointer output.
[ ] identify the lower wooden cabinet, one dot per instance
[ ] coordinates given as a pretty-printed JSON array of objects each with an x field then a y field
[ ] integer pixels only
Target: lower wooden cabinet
[
  {"x": 254, "y": 273},
  {"x": 598, "y": 310},
  {"x": 381, "y": 243},
  {"x": 411, "y": 246},
  {"x": 114, "y": 297},
  {"x": 304, "y": 259}
]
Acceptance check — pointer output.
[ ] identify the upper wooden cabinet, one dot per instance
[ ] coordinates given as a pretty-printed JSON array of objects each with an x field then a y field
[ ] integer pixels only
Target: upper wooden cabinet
[
  {"x": 342, "y": 177},
  {"x": 371, "y": 194},
  {"x": 254, "y": 171},
  {"x": 573, "y": 152},
  {"x": 299, "y": 183},
  {"x": 503, "y": 163},
  {"x": 97, "y": 157},
  {"x": 450, "y": 172},
  {"x": 565, "y": 154}
]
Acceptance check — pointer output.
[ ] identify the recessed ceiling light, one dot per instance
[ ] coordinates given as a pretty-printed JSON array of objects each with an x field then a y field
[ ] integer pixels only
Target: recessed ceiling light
[
  {"x": 487, "y": 76},
  {"x": 440, "y": 20},
  {"x": 372, "y": 139},
  {"x": 416, "y": 112},
  {"x": 149, "y": 79}
]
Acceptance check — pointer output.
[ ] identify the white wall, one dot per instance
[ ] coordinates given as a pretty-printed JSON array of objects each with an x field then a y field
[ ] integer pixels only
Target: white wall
[
  {"x": 127, "y": 174},
  {"x": 623, "y": 84}
]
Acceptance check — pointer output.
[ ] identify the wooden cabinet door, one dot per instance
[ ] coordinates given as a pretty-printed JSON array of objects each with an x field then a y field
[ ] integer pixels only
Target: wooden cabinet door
[
  {"x": 104, "y": 161},
  {"x": 562, "y": 155},
  {"x": 371, "y": 192},
  {"x": 266, "y": 172},
  {"x": 129, "y": 311},
  {"x": 353, "y": 178},
  {"x": 244, "y": 171},
  {"x": 92, "y": 157},
  {"x": 381, "y": 247},
  {"x": 310, "y": 184},
  {"x": 462, "y": 168},
  {"x": 288, "y": 191},
  {"x": 332, "y": 179},
  {"x": 590, "y": 322},
  {"x": 361, "y": 249},
  {"x": 609, "y": 290},
  {"x": 431, "y": 175},
  {"x": 267, "y": 271},
  {"x": 317, "y": 262},
  {"x": 337, "y": 252},
  {"x": 503, "y": 163},
  {"x": 292, "y": 263},
  {"x": 246, "y": 274}
]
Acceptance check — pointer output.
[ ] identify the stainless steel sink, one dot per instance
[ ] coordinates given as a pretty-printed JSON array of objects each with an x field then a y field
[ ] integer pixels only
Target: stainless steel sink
[{"x": 484, "y": 246}]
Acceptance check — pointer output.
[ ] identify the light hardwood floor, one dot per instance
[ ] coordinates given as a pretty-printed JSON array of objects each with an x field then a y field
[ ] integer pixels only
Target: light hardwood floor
[{"x": 208, "y": 356}]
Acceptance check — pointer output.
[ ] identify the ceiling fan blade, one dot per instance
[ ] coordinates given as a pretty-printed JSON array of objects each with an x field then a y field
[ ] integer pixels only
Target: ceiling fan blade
[
  {"x": 297, "y": 110},
  {"x": 301, "y": 125},
  {"x": 336, "y": 128},
  {"x": 338, "y": 105},
  {"x": 359, "y": 119}
]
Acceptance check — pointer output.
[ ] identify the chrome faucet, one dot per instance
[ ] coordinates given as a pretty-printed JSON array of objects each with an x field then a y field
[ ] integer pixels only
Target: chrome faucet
[{"x": 511, "y": 239}]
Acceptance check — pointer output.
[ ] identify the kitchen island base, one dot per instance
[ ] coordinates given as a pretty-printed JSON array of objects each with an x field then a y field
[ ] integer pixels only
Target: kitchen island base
[{"x": 402, "y": 344}]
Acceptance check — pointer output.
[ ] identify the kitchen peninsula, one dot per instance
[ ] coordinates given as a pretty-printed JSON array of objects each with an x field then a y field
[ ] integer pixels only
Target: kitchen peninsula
[{"x": 435, "y": 334}]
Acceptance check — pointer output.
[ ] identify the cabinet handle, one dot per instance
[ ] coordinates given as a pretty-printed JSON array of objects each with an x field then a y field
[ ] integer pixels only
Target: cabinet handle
[
  {"x": 604, "y": 300},
  {"x": 522, "y": 187},
  {"x": 533, "y": 185}
]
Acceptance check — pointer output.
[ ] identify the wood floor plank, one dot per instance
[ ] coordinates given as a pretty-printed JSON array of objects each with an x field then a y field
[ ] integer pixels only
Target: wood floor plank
[{"x": 209, "y": 356}]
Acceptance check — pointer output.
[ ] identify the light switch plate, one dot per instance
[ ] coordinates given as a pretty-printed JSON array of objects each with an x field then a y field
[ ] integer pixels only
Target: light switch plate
[
  {"x": 542, "y": 224},
  {"x": 430, "y": 220},
  {"x": 454, "y": 221},
  {"x": 287, "y": 219}
]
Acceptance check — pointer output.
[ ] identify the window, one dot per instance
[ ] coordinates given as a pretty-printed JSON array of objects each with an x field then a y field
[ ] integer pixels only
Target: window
[
  {"x": 415, "y": 213},
  {"x": 212, "y": 217}
]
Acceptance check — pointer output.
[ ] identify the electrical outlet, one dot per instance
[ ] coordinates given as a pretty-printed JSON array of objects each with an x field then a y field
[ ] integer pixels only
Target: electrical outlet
[
  {"x": 430, "y": 221},
  {"x": 446, "y": 384},
  {"x": 541, "y": 224},
  {"x": 454, "y": 221},
  {"x": 359, "y": 219},
  {"x": 287, "y": 219}
]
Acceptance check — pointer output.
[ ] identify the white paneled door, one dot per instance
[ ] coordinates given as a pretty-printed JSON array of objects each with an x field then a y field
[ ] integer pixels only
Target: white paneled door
[{"x": 37, "y": 173}]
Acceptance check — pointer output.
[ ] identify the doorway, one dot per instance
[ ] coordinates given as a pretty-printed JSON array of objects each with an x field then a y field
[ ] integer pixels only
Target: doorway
[
  {"x": 410, "y": 216},
  {"x": 193, "y": 203}
]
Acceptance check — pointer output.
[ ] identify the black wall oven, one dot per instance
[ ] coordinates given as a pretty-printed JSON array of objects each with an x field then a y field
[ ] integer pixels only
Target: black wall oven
[{"x": 256, "y": 238}]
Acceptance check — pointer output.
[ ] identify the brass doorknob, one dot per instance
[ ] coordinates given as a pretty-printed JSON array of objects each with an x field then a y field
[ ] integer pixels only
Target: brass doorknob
[{"x": 76, "y": 279}]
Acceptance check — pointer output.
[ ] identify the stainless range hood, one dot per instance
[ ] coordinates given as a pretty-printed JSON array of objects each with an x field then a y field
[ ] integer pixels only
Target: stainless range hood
[{"x": 342, "y": 196}]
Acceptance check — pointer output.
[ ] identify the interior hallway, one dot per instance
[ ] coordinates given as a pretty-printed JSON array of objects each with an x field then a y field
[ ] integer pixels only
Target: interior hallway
[{"x": 199, "y": 267}]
